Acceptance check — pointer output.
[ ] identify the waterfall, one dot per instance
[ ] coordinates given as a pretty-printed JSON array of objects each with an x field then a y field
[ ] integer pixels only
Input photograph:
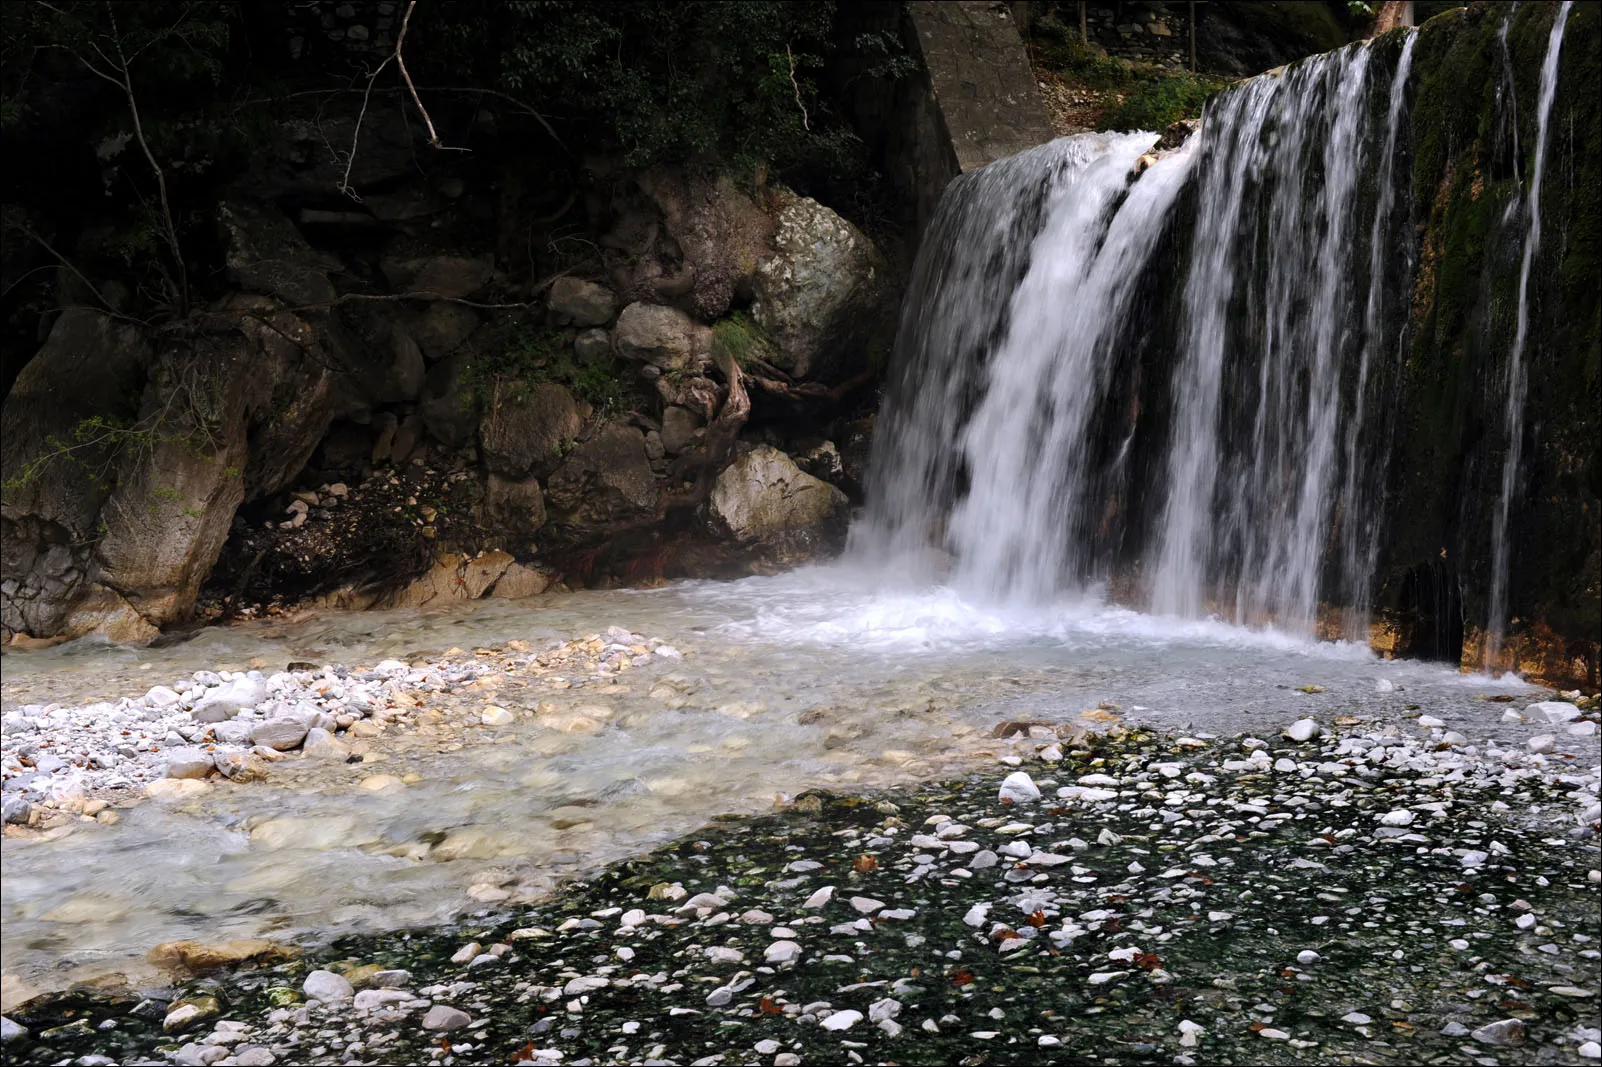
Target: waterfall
[
  {"x": 1290, "y": 146},
  {"x": 1025, "y": 265},
  {"x": 1516, "y": 385},
  {"x": 1025, "y": 524},
  {"x": 1257, "y": 476}
]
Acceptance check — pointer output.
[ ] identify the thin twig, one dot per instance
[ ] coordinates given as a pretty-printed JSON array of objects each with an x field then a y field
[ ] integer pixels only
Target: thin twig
[
  {"x": 356, "y": 134},
  {"x": 28, "y": 231},
  {"x": 797, "y": 86},
  {"x": 476, "y": 90},
  {"x": 150, "y": 157}
]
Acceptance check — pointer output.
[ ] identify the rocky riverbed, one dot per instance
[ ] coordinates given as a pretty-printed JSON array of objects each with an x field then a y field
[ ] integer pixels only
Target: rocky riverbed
[
  {"x": 1327, "y": 892},
  {"x": 61, "y": 762}
]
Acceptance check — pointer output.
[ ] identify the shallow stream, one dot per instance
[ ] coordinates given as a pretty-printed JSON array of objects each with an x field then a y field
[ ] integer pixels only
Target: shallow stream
[{"x": 829, "y": 678}]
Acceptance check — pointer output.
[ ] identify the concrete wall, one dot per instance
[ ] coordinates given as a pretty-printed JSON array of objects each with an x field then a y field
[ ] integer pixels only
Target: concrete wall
[{"x": 973, "y": 101}]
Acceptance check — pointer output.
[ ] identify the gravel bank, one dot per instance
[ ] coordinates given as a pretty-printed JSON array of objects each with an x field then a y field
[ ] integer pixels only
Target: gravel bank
[{"x": 1380, "y": 895}]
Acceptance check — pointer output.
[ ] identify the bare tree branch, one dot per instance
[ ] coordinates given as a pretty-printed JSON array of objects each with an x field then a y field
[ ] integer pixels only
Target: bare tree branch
[
  {"x": 400, "y": 39},
  {"x": 356, "y": 134},
  {"x": 805, "y": 125},
  {"x": 400, "y": 61}
]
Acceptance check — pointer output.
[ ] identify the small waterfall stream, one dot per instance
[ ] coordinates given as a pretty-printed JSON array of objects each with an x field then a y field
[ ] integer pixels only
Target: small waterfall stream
[
  {"x": 1259, "y": 476},
  {"x": 1516, "y": 384},
  {"x": 1182, "y": 380}
]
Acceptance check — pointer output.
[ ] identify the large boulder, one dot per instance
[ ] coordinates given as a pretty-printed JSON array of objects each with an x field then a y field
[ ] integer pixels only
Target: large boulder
[
  {"x": 763, "y": 496},
  {"x": 608, "y": 477},
  {"x": 575, "y": 302},
  {"x": 91, "y": 367},
  {"x": 446, "y": 411},
  {"x": 514, "y": 505},
  {"x": 521, "y": 581},
  {"x": 823, "y": 292},
  {"x": 265, "y": 253},
  {"x": 441, "y": 327},
  {"x": 663, "y": 337},
  {"x": 527, "y": 433},
  {"x": 289, "y": 388},
  {"x": 451, "y": 578},
  {"x": 165, "y": 522},
  {"x": 451, "y": 277},
  {"x": 680, "y": 426},
  {"x": 722, "y": 234}
]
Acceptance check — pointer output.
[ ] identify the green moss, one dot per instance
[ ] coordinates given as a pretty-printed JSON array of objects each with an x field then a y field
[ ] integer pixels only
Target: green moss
[
  {"x": 1158, "y": 103},
  {"x": 529, "y": 356},
  {"x": 1470, "y": 196},
  {"x": 744, "y": 340}
]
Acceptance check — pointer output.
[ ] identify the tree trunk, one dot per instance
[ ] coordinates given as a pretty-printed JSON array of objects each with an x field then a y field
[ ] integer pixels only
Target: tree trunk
[
  {"x": 1391, "y": 15},
  {"x": 1084, "y": 28},
  {"x": 1192, "y": 21}
]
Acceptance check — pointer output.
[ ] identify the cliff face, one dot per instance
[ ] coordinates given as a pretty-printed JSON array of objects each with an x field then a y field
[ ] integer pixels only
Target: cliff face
[
  {"x": 1473, "y": 155},
  {"x": 390, "y": 401}
]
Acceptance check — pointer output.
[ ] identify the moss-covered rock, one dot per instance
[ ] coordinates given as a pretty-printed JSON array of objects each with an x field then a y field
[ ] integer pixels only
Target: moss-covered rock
[{"x": 1473, "y": 160}]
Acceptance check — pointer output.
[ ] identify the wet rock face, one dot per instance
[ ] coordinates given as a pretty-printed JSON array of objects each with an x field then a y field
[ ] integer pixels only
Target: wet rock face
[
  {"x": 764, "y": 495},
  {"x": 605, "y": 478},
  {"x": 819, "y": 296},
  {"x": 521, "y": 434}
]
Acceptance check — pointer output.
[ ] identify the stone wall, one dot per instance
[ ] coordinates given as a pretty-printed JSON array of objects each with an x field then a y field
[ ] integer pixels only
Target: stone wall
[{"x": 1145, "y": 33}]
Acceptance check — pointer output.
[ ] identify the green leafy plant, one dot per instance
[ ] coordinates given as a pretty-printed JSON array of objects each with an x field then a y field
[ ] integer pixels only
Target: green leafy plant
[
  {"x": 650, "y": 82},
  {"x": 1157, "y": 104}
]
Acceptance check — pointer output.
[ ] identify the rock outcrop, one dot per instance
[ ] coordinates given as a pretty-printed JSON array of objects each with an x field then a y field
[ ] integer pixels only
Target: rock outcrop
[
  {"x": 763, "y": 496},
  {"x": 158, "y": 476},
  {"x": 823, "y": 291},
  {"x": 603, "y": 479}
]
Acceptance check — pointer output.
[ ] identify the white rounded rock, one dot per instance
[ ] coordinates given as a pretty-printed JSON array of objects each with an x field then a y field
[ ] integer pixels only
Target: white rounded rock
[
  {"x": 1302, "y": 730},
  {"x": 1552, "y": 711},
  {"x": 327, "y": 987},
  {"x": 1019, "y": 788},
  {"x": 842, "y": 1020}
]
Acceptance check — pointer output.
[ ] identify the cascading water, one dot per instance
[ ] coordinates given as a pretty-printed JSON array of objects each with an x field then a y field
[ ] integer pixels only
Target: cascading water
[
  {"x": 1251, "y": 514},
  {"x": 1361, "y": 504},
  {"x": 1024, "y": 270},
  {"x": 1028, "y": 514},
  {"x": 1261, "y": 477},
  {"x": 1516, "y": 385}
]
